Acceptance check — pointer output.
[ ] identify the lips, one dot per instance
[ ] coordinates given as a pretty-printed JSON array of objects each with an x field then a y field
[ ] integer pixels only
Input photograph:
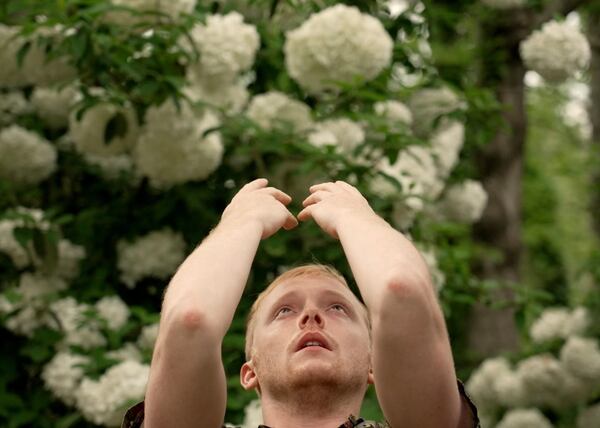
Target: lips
[{"x": 312, "y": 339}]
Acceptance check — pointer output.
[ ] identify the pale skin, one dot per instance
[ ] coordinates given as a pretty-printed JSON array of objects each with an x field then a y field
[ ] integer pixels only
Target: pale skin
[{"x": 408, "y": 357}]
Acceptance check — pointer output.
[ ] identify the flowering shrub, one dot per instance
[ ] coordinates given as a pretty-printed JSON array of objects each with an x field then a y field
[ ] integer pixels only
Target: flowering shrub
[{"x": 127, "y": 126}]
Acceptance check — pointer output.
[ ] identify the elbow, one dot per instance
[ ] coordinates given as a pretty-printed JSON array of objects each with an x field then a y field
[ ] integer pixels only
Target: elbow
[
  {"x": 191, "y": 323},
  {"x": 407, "y": 286}
]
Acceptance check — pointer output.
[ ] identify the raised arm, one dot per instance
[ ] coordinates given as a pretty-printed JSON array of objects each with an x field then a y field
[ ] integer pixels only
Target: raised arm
[
  {"x": 412, "y": 359},
  {"x": 187, "y": 385}
]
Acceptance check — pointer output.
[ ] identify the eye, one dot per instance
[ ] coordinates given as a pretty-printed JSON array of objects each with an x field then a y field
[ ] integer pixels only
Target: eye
[
  {"x": 337, "y": 307},
  {"x": 282, "y": 311}
]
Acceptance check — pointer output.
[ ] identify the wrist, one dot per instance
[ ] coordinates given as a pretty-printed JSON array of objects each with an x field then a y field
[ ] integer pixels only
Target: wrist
[{"x": 242, "y": 225}]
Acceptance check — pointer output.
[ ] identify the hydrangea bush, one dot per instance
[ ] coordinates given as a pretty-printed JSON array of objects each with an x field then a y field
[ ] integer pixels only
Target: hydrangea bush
[{"x": 127, "y": 126}]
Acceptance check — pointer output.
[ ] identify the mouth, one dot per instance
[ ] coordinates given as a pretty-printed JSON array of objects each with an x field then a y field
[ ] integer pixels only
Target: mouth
[{"x": 312, "y": 341}]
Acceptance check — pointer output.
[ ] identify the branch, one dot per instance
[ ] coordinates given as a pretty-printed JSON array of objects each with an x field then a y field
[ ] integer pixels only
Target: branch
[{"x": 557, "y": 7}]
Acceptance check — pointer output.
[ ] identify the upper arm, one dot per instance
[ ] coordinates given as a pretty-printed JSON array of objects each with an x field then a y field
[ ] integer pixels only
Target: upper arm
[
  {"x": 412, "y": 360},
  {"x": 187, "y": 381}
]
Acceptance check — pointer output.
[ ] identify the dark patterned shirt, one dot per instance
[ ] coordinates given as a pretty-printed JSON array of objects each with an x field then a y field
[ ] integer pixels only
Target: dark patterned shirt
[{"x": 134, "y": 417}]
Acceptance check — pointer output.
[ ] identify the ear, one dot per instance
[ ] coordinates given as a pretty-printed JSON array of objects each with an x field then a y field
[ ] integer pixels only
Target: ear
[{"x": 248, "y": 378}]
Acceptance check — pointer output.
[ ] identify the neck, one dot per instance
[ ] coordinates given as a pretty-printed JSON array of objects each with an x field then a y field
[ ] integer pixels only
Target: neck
[{"x": 309, "y": 406}]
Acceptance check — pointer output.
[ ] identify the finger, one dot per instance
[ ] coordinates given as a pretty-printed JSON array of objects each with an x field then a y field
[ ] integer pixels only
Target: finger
[
  {"x": 259, "y": 183},
  {"x": 318, "y": 196},
  {"x": 282, "y": 197},
  {"x": 346, "y": 185},
  {"x": 305, "y": 214},
  {"x": 323, "y": 186},
  {"x": 290, "y": 222}
]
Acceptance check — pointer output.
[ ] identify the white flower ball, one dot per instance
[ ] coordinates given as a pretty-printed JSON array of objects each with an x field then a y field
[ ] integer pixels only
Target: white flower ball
[
  {"x": 157, "y": 254},
  {"x": 12, "y": 105},
  {"x": 35, "y": 68},
  {"x": 231, "y": 98},
  {"x": 589, "y": 417},
  {"x": 504, "y": 4},
  {"x": 111, "y": 167},
  {"x": 88, "y": 133},
  {"x": 581, "y": 357},
  {"x": 32, "y": 286},
  {"x": 105, "y": 400},
  {"x": 227, "y": 47},
  {"x": 128, "y": 352},
  {"x": 114, "y": 311},
  {"x": 148, "y": 336},
  {"x": 63, "y": 374},
  {"x": 337, "y": 44},
  {"x": 395, "y": 112},
  {"x": 275, "y": 109},
  {"x": 446, "y": 144},
  {"x": 172, "y": 8},
  {"x": 556, "y": 51},
  {"x": 480, "y": 385},
  {"x": 558, "y": 323},
  {"x": 253, "y": 415},
  {"x": 510, "y": 390},
  {"x": 53, "y": 105},
  {"x": 463, "y": 202},
  {"x": 524, "y": 418},
  {"x": 78, "y": 330},
  {"x": 172, "y": 148},
  {"x": 25, "y": 157},
  {"x": 342, "y": 133},
  {"x": 28, "y": 319},
  {"x": 428, "y": 105},
  {"x": 548, "y": 384}
]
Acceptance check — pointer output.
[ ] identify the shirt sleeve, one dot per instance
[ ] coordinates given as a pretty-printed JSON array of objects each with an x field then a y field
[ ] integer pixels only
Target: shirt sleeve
[{"x": 134, "y": 417}]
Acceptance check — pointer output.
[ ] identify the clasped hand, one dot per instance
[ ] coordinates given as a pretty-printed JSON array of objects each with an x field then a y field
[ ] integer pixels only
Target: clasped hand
[{"x": 328, "y": 204}]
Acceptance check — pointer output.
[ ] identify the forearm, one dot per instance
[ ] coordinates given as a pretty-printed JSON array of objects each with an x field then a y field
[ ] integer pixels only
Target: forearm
[
  {"x": 209, "y": 284},
  {"x": 381, "y": 258}
]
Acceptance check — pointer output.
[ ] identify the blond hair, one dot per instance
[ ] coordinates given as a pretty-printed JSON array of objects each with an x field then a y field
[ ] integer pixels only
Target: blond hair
[{"x": 305, "y": 271}]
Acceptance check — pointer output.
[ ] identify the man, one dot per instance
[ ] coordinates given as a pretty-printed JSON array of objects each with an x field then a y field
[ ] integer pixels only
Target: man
[{"x": 311, "y": 348}]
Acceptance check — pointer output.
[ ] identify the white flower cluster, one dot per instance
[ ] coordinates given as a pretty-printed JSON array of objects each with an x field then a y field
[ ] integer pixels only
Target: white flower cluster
[
  {"x": 559, "y": 323},
  {"x": 53, "y": 105},
  {"x": 172, "y": 148},
  {"x": 344, "y": 134},
  {"x": 128, "y": 352},
  {"x": 504, "y": 4},
  {"x": 113, "y": 310},
  {"x": 25, "y": 157},
  {"x": 63, "y": 374},
  {"x": 227, "y": 47},
  {"x": 428, "y": 105},
  {"x": 8, "y": 243},
  {"x": 157, "y": 254},
  {"x": 28, "y": 313},
  {"x": 524, "y": 418},
  {"x": 396, "y": 113},
  {"x": 12, "y": 105},
  {"x": 69, "y": 317},
  {"x": 104, "y": 401},
  {"x": 275, "y": 109},
  {"x": 463, "y": 202},
  {"x": 338, "y": 44},
  {"x": 446, "y": 143},
  {"x": 542, "y": 381},
  {"x": 230, "y": 98},
  {"x": 172, "y": 8},
  {"x": 88, "y": 133},
  {"x": 148, "y": 336},
  {"x": 35, "y": 69},
  {"x": 556, "y": 51}
]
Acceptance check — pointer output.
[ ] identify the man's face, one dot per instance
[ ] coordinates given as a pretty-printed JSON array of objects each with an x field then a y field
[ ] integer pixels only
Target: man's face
[{"x": 310, "y": 331}]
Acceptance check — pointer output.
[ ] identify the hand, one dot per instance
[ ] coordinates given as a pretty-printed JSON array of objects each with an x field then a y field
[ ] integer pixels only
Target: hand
[
  {"x": 330, "y": 203},
  {"x": 255, "y": 202}
]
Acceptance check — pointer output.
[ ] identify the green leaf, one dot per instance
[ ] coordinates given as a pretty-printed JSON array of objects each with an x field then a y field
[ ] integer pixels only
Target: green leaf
[
  {"x": 67, "y": 421},
  {"x": 116, "y": 127},
  {"x": 23, "y": 235},
  {"x": 22, "y": 52}
]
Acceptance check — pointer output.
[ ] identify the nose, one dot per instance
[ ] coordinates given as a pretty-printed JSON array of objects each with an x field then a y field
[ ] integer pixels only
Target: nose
[{"x": 312, "y": 316}]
